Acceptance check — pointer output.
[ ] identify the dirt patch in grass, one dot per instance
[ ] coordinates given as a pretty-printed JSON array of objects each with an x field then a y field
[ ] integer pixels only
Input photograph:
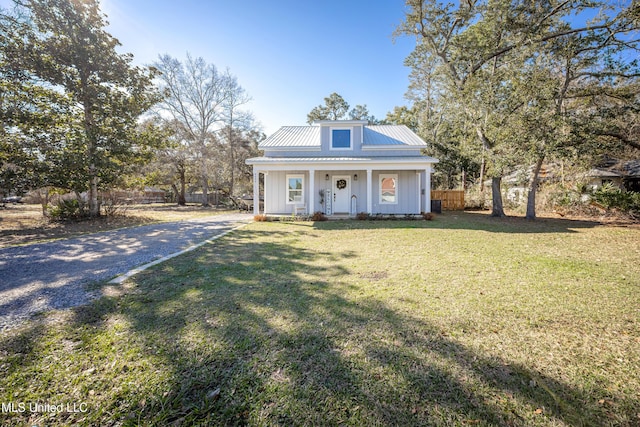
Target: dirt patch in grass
[
  {"x": 23, "y": 224},
  {"x": 374, "y": 275}
]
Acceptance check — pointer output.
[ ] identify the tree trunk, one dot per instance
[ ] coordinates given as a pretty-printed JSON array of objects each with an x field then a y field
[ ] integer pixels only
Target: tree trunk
[
  {"x": 232, "y": 156},
  {"x": 232, "y": 171},
  {"x": 94, "y": 205},
  {"x": 482, "y": 167},
  {"x": 182, "y": 200},
  {"x": 44, "y": 199},
  {"x": 174, "y": 187},
  {"x": 204, "y": 178},
  {"x": 531, "y": 199},
  {"x": 205, "y": 191},
  {"x": 497, "y": 211}
]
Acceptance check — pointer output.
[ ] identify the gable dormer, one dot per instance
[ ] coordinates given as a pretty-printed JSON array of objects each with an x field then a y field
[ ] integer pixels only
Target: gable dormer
[{"x": 341, "y": 136}]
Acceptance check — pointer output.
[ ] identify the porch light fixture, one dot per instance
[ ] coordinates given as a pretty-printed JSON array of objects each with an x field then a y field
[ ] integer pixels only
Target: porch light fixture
[
  {"x": 355, "y": 177},
  {"x": 326, "y": 177}
]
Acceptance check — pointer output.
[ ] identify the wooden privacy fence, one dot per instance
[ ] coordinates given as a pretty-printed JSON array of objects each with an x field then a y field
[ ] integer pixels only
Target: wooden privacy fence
[{"x": 452, "y": 200}]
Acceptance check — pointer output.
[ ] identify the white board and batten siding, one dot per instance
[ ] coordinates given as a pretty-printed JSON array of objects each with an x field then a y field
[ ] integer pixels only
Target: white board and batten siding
[
  {"x": 407, "y": 194},
  {"x": 408, "y": 191},
  {"x": 275, "y": 190}
]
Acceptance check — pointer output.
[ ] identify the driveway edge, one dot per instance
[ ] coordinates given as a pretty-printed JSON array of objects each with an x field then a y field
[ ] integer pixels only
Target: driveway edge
[{"x": 121, "y": 278}]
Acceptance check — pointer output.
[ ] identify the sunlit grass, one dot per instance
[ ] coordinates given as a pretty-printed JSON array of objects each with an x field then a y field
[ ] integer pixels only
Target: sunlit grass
[{"x": 465, "y": 320}]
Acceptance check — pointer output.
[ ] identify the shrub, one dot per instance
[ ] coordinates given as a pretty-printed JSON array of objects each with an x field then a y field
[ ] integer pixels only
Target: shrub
[
  {"x": 112, "y": 205},
  {"x": 318, "y": 216},
  {"x": 476, "y": 200},
  {"x": 612, "y": 197},
  {"x": 362, "y": 216},
  {"x": 66, "y": 210},
  {"x": 563, "y": 199}
]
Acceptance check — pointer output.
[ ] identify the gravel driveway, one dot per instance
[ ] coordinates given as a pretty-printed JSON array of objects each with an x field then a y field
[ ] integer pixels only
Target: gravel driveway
[{"x": 54, "y": 275}]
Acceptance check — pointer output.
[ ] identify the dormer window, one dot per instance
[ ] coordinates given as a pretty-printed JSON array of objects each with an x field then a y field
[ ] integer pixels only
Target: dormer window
[{"x": 341, "y": 139}]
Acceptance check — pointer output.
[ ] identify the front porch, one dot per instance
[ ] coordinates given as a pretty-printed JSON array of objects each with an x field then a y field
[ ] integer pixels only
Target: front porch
[{"x": 391, "y": 189}]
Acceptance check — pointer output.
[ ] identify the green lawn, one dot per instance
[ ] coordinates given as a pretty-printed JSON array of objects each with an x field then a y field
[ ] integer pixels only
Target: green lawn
[{"x": 464, "y": 320}]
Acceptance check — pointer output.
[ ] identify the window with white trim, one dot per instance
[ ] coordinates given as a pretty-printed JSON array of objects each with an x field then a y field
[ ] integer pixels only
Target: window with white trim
[
  {"x": 341, "y": 139},
  {"x": 388, "y": 189},
  {"x": 295, "y": 189}
]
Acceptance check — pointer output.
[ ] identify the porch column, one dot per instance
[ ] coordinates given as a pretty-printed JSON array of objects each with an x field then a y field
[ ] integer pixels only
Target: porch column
[
  {"x": 427, "y": 189},
  {"x": 256, "y": 192},
  {"x": 369, "y": 191},
  {"x": 264, "y": 193},
  {"x": 312, "y": 191},
  {"x": 419, "y": 181}
]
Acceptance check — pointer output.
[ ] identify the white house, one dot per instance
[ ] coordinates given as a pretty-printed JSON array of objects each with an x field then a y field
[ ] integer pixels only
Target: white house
[
  {"x": 343, "y": 167},
  {"x": 598, "y": 177}
]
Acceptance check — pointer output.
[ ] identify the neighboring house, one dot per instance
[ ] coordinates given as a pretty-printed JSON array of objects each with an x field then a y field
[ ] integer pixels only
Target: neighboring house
[
  {"x": 631, "y": 175},
  {"x": 624, "y": 174},
  {"x": 597, "y": 177},
  {"x": 621, "y": 174},
  {"x": 343, "y": 167},
  {"x": 516, "y": 185}
]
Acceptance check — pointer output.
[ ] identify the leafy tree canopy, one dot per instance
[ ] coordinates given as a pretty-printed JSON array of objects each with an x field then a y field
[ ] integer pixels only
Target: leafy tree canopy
[
  {"x": 71, "y": 102},
  {"x": 527, "y": 80},
  {"x": 336, "y": 108}
]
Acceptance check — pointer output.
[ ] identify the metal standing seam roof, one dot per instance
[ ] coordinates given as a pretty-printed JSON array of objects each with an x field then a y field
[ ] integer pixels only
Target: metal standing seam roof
[
  {"x": 377, "y": 135},
  {"x": 293, "y": 136},
  {"x": 391, "y": 135}
]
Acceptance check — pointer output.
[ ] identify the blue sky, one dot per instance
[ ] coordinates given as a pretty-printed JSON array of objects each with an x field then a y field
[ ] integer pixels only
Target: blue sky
[{"x": 288, "y": 55}]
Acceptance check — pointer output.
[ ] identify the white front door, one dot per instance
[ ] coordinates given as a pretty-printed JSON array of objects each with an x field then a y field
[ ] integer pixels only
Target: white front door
[{"x": 341, "y": 193}]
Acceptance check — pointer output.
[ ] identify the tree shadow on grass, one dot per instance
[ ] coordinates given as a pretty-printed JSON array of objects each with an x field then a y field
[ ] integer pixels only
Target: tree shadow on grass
[{"x": 265, "y": 332}]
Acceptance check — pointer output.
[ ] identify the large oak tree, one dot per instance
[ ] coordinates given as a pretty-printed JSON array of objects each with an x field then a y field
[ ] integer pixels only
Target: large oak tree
[{"x": 85, "y": 122}]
